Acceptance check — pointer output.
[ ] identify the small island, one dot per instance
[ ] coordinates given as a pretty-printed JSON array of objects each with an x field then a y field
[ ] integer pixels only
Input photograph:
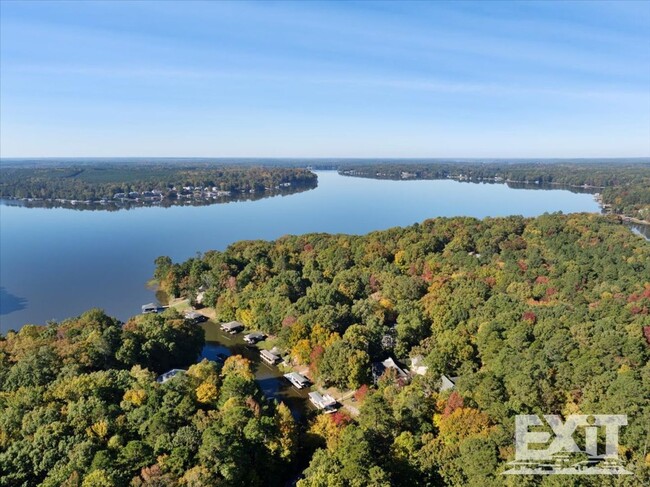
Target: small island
[{"x": 121, "y": 186}]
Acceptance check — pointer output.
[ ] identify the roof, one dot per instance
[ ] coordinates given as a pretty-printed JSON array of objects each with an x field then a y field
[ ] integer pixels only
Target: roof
[
  {"x": 447, "y": 382},
  {"x": 168, "y": 375},
  {"x": 418, "y": 366},
  {"x": 232, "y": 325},
  {"x": 321, "y": 401},
  {"x": 269, "y": 355},
  {"x": 296, "y": 377},
  {"x": 192, "y": 315},
  {"x": 378, "y": 369},
  {"x": 150, "y": 305},
  {"x": 255, "y": 335}
]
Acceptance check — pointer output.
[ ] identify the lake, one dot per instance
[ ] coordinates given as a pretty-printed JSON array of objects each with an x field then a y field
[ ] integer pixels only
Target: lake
[{"x": 56, "y": 263}]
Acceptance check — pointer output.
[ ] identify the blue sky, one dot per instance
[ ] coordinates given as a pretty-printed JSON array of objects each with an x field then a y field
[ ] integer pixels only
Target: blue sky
[{"x": 340, "y": 79}]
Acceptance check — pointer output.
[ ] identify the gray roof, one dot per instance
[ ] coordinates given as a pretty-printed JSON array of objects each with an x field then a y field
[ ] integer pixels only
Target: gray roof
[{"x": 232, "y": 325}]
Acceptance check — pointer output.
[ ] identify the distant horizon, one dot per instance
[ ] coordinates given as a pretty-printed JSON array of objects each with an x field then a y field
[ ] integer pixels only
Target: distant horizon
[{"x": 324, "y": 158}]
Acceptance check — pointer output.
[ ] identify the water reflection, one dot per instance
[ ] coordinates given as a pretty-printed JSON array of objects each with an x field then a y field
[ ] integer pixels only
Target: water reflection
[{"x": 10, "y": 303}]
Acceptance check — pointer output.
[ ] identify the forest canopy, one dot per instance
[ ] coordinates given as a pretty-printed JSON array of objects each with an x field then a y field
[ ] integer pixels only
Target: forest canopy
[
  {"x": 534, "y": 315},
  {"x": 80, "y": 406}
]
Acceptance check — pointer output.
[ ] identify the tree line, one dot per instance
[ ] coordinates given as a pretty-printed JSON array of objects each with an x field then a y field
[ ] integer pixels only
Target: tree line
[
  {"x": 624, "y": 186},
  {"x": 95, "y": 182}
]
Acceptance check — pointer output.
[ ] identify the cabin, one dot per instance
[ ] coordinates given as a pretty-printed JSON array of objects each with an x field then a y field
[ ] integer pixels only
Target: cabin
[
  {"x": 151, "y": 308},
  {"x": 447, "y": 383},
  {"x": 194, "y": 317},
  {"x": 323, "y": 401},
  {"x": 253, "y": 338},
  {"x": 161, "y": 379},
  {"x": 269, "y": 357},
  {"x": 299, "y": 381},
  {"x": 378, "y": 369},
  {"x": 232, "y": 327}
]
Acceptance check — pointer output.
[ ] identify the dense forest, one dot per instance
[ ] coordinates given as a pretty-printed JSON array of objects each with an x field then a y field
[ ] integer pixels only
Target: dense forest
[
  {"x": 80, "y": 406},
  {"x": 625, "y": 187},
  {"x": 94, "y": 182},
  {"x": 542, "y": 315}
]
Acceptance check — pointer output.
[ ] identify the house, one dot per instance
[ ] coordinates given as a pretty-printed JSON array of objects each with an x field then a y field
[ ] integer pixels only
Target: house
[
  {"x": 323, "y": 401},
  {"x": 194, "y": 317},
  {"x": 152, "y": 308},
  {"x": 298, "y": 380},
  {"x": 232, "y": 327},
  {"x": 170, "y": 374},
  {"x": 269, "y": 357},
  {"x": 253, "y": 338},
  {"x": 417, "y": 365},
  {"x": 378, "y": 369},
  {"x": 447, "y": 383}
]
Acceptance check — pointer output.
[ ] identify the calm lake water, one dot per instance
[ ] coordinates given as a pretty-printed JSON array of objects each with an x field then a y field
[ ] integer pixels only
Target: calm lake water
[
  {"x": 56, "y": 263},
  {"x": 269, "y": 377}
]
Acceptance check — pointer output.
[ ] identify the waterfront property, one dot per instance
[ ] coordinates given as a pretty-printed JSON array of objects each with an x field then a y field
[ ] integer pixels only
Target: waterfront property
[
  {"x": 232, "y": 327},
  {"x": 323, "y": 401},
  {"x": 194, "y": 317},
  {"x": 152, "y": 308},
  {"x": 253, "y": 338},
  {"x": 269, "y": 357},
  {"x": 298, "y": 380},
  {"x": 170, "y": 374}
]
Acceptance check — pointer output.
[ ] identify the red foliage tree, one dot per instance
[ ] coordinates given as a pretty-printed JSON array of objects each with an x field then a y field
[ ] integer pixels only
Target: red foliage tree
[
  {"x": 361, "y": 393},
  {"x": 454, "y": 402},
  {"x": 529, "y": 316}
]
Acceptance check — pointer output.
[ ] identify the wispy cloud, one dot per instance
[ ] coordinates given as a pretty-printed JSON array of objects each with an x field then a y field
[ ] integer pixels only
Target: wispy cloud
[{"x": 160, "y": 74}]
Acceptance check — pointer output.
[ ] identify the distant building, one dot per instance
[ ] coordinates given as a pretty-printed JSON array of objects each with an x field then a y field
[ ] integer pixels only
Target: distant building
[
  {"x": 232, "y": 327},
  {"x": 152, "y": 308},
  {"x": 323, "y": 401},
  {"x": 447, "y": 383},
  {"x": 161, "y": 379},
  {"x": 417, "y": 365},
  {"x": 298, "y": 380},
  {"x": 378, "y": 369},
  {"x": 253, "y": 338},
  {"x": 194, "y": 317},
  {"x": 269, "y": 357}
]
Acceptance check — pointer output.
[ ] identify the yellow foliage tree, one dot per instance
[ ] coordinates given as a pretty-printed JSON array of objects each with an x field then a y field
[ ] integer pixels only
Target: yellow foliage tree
[
  {"x": 324, "y": 427},
  {"x": 135, "y": 396},
  {"x": 99, "y": 429},
  {"x": 206, "y": 393},
  {"x": 462, "y": 423},
  {"x": 301, "y": 351}
]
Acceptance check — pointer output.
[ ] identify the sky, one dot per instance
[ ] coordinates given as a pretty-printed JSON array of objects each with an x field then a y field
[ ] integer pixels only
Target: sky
[{"x": 339, "y": 79}]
